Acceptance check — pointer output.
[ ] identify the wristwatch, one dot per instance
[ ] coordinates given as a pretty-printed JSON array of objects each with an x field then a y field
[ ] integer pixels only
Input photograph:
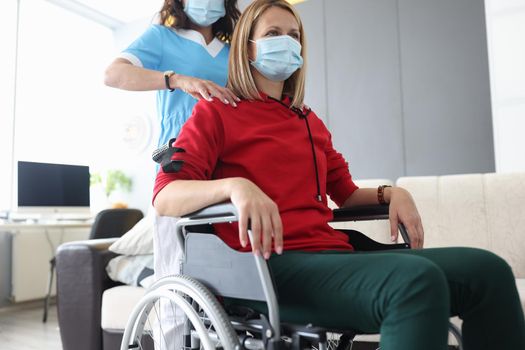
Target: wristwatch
[{"x": 167, "y": 75}]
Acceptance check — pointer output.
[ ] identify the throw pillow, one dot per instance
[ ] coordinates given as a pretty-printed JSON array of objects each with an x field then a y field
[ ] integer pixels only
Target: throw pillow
[
  {"x": 138, "y": 240},
  {"x": 131, "y": 270}
]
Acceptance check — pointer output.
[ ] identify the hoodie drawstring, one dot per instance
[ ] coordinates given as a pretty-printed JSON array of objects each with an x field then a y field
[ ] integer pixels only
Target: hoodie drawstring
[{"x": 304, "y": 116}]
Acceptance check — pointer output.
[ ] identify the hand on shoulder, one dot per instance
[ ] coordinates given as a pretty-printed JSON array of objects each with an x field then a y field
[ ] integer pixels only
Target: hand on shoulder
[{"x": 203, "y": 89}]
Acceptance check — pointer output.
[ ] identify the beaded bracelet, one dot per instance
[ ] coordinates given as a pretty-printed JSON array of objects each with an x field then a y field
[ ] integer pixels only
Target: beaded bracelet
[{"x": 381, "y": 194}]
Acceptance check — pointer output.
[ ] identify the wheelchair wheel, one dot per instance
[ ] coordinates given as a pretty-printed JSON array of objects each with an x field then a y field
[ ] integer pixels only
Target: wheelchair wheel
[
  {"x": 334, "y": 342},
  {"x": 179, "y": 312}
]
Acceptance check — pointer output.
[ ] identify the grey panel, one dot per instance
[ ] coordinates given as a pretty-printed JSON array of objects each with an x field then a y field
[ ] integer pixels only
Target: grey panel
[
  {"x": 223, "y": 270},
  {"x": 446, "y": 93},
  {"x": 5, "y": 267},
  {"x": 363, "y": 79},
  {"x": 312, "y": 16}
]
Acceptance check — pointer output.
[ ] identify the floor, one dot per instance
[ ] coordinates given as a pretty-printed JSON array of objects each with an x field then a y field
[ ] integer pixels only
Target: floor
[{"x": 21, "y": 328}]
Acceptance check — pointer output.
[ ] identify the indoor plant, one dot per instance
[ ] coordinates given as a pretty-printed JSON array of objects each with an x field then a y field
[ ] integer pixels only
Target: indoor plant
[{"x": 113, "y": 182}]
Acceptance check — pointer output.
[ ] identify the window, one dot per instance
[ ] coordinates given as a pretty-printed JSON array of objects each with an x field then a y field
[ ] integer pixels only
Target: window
[
  {"x": 61, "y": 105},
  {"x": 65, "y": 113},
  {"x": 8, "y": 17}
]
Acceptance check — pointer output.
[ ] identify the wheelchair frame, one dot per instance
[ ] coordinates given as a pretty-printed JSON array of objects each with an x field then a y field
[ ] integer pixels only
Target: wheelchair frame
[{"x": 253, "y": 286}]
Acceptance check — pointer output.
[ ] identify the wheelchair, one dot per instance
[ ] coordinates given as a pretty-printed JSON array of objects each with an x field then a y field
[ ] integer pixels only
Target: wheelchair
[{"x": 184, "y": 311}]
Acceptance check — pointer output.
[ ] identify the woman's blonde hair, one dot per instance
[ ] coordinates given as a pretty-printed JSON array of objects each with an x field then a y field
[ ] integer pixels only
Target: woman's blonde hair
[{"x": 240, "y": 79}]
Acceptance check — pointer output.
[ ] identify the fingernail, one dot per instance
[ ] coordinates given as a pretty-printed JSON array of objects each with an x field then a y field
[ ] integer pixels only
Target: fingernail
[
  {"x": 238, "y": 99},
  {"x": 267, "y": 255},
  {"x": 257, "y": 252},
  {"x": 279, "y": 250},
  {"x": 393, "y": 238},
  {"x": 226, "y": 101},
  {"x": 234, "y": 104}
]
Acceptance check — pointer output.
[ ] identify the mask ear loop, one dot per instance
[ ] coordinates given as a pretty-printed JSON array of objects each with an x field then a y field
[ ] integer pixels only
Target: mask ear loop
[{"x": 254, "y": 42}]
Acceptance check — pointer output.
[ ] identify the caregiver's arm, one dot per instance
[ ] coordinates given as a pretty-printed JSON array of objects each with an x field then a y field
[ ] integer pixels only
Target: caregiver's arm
[
  {"x": 182, "y": 197},
  {"x": 122, "y": 74}
]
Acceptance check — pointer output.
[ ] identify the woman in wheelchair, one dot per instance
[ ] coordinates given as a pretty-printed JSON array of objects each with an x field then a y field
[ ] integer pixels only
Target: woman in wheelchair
[{"x": 273, "y": 158}]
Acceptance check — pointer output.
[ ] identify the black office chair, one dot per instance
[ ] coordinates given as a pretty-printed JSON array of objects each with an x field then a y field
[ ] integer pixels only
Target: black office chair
[
  {"x": 108, "y": 223},
  {"x": 111, "y": 223}
]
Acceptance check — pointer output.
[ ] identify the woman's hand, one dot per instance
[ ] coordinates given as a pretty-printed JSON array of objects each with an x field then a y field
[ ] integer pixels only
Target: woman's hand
[
  {"x": 256, "y": 208},
  {"x": 403, "y": 210},
  {"x": 200, "y": 88}
]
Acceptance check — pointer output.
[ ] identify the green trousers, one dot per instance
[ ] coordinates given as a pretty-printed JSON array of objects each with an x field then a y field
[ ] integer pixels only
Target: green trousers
[{"x": 406, "y": 295}]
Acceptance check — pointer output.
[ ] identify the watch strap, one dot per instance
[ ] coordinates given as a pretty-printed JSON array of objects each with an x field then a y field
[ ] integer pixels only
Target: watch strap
[{"x": 167, "y": 76}]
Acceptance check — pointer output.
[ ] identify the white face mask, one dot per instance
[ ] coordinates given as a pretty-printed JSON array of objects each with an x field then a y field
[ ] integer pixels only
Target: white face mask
[
  {"x": 278, "y": 57},
  {"x": 204, "y": 12}
]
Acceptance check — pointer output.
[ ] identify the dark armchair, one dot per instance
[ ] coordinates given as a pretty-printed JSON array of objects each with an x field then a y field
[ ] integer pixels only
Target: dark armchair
[{"x": 108, "y": 223}]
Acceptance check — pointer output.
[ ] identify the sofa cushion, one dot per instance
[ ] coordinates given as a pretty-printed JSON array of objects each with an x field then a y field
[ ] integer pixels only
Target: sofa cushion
[
  {"x": 452, "y": 209},
  {"x": 134, "y": 270},
  {"x": 474, "y": 210},
  {"x": 505, "y": 202},
  {"x": 117, "y": 304}
]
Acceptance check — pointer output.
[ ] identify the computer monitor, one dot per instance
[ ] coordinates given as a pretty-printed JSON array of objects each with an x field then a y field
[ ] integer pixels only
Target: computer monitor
[{"x": 45, "y": 188}]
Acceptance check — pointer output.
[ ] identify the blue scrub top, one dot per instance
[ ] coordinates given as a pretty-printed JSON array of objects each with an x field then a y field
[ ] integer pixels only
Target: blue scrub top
[{"x": 184, "y": 52}]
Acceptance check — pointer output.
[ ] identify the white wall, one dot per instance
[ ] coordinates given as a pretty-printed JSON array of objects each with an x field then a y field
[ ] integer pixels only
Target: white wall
[
  {"x": 506, "y": 37},
  {"x": 135, "y": 114}
]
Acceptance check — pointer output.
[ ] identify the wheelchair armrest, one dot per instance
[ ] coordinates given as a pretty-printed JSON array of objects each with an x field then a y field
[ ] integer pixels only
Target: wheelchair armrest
[
  {"x": 361, "y": 213},
  {"x": 213, "y": 214},
  {"x": 365, "y": 213},
  {"x": 226, "y": 209}
]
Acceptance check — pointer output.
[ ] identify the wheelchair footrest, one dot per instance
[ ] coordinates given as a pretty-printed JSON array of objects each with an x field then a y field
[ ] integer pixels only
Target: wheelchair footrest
[{"x": 302, "y": 333}]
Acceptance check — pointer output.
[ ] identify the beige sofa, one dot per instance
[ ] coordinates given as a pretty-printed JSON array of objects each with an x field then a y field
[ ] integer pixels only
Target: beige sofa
[{"x": 475, "y": 210}]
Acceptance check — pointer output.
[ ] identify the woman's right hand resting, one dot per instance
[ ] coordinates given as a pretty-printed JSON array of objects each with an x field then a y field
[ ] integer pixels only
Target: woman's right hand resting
[
  {"x": 200, "y": 88},
  {"x": 258, "y": 210}
]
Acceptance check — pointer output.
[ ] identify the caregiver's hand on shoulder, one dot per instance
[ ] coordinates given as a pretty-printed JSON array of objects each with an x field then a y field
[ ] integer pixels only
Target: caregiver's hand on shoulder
[
  {"x": 256, "y": 208},
  {"x": 403, "y": 210},
  {"x": 200, "y": 88}
]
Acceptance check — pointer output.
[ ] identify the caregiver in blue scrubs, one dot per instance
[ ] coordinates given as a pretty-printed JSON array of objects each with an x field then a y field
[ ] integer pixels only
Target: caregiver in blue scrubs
[{"x": 184, "y": 58}]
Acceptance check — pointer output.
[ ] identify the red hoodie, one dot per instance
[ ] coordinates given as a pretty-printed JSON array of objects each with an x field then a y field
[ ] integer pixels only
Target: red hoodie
[{"x": 269, "y": 144}]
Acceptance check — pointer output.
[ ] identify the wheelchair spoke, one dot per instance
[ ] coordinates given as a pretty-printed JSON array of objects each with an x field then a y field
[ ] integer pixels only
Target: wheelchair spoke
[
  {"x": 332, "y": 343},
  {"x": 159, "y": 325},
  {"x": 183, "y": 311}
]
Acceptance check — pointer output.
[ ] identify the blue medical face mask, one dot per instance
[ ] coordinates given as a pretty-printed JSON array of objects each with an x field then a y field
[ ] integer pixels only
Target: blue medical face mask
[
  {"x": 204, "y": 12},
  {"x": 278, "y": 57}
]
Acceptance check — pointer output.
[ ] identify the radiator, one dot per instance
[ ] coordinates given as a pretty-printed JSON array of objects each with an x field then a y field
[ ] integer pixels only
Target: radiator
[{"x": 33, "y": 246}]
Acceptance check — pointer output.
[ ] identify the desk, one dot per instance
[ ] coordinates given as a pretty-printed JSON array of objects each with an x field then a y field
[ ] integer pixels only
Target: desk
[{"x": 30, "y": 247}]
